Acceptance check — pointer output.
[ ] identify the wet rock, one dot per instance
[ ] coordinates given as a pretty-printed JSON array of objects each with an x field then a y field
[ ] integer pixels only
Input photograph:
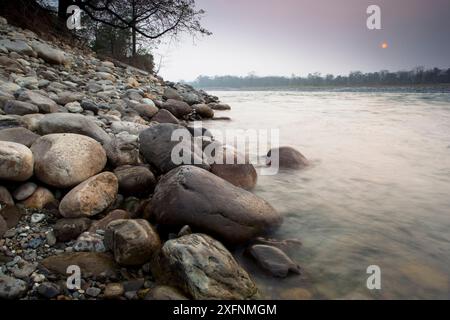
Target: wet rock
[
  {"x": 11, "y": 288},
  {"x": 91, "y": 263},
  {"x": 133, "y": 242},
  {"x": 16, "y": 161},
  {"x": 19, "y": 107},
  {"x": 39, "y": 199},
  {"x": 45, "y": 105},
  {"x": 5, "y": 196},
  {"x": 178, "y": 108},
  {"x": 113, "y": 291},
  {"x": 110, "y": 217},
  {"x": 205, "y": 269},
  {"x": 273, "y": 260},
  {"x": 219, "y": 106},
  {"x": 165, "y": 293},
  {"x": 191, "y": 98},
  {"x": 19, "y": 135},
  {"x": 49, "y": 54},
  {"x": 192, "y": 196},
  {"x": 123, "y": 149},
  {"x": 288, "y": 158},
  {"x": 135, "y": 180},
  {"x": 164, "y": 116},
  {"x": 204, "y": 111},
  {"x": 24, "y": 191},
  {"x": 64, "y": 160},
  {"x": 68, "y": 229},
  {"x": 72, "y": 123},
  {"x": 90, "y": 197},
  {"x": 48, "y": 290},
  {"x": 157, "y": 145}
]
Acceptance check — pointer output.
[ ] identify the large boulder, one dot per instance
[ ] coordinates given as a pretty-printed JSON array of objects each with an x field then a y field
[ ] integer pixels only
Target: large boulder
[
  {"x": 65, "y": 160},
  {"x": 45, "y": 105},
  {"x": 239, "y": 171},
  {"x": 287, "y": 157},
  {"x": 219, "y": 106},
  {"x": 133, "y": 242},
  {"x": 72, "y": 123},
  {"x": 19, "y": 107},
  {"x": 90, "y": 197},
  {"x": 192, "y": 196},
  {"x": 16, "y": 161},
  {"x": 159, "y": 141},
  {"x": 19, "y": 135},
  {"x": 145, "y": 110},
  {"x": 204, "y": 111},
  {"x": 135, "y": 180},
  {"x": 90, "y": 263},
  {"x": 178, "y": 108},
  {"x": 49, "y": 54},
  {"x": 164, "y": 116},
  {"x": 204, "y": 269}
]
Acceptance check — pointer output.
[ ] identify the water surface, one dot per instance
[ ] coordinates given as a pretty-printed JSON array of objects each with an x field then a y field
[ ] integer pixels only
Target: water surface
[{"x": 378, "y": 192}]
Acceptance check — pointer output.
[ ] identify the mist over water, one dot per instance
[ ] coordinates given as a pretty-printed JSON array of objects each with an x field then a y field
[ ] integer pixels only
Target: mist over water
[{"x": 377, "y": 193}]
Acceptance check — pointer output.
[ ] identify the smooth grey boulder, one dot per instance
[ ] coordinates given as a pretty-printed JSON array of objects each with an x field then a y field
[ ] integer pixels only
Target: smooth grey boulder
[
  {"x": 49, "y": 54},
  {"x": 287, "y": 158},
  {"x": 204, "y": 269},
  {"x": 273, "y": 260},
  {"x": 161, "y": 140},
  {"x": 72, "y": 123},
  {"x": 192, "y": 196}
]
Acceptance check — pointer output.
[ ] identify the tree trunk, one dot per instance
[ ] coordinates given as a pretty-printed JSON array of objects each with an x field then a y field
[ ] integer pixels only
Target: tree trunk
[
  {"x": 133, "y": 30},
  {"x": 62, "y": 9}
]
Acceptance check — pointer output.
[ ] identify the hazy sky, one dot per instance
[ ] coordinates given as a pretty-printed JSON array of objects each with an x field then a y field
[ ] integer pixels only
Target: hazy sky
[{"x": 284, "y": 37}]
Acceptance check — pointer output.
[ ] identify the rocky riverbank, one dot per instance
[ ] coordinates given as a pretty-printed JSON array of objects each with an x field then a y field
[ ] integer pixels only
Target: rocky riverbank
[{"x": 87, "y": 180}]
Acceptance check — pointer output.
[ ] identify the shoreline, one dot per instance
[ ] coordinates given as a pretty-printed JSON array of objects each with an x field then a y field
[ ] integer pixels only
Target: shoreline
[{"x": 89, "y": 188}]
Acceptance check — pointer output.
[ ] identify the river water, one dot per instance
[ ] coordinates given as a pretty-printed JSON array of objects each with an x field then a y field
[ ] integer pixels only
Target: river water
[{"x": 377, "y": 192}]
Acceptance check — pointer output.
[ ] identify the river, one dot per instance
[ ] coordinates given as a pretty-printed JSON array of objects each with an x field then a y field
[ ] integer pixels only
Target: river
[{"x": 377, "y": 192}]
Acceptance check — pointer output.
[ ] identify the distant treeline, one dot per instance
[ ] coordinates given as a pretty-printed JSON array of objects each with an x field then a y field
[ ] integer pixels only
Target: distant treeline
[{"x": 383, "y": 78}]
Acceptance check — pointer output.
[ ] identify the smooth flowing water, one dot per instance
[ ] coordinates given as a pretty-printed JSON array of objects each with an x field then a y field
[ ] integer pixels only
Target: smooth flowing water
[{"x": 378, "y": 192}]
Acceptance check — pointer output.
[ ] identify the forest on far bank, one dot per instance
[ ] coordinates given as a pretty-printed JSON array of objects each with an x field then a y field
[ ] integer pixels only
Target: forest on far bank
[{"x": 417, "y": 76}]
